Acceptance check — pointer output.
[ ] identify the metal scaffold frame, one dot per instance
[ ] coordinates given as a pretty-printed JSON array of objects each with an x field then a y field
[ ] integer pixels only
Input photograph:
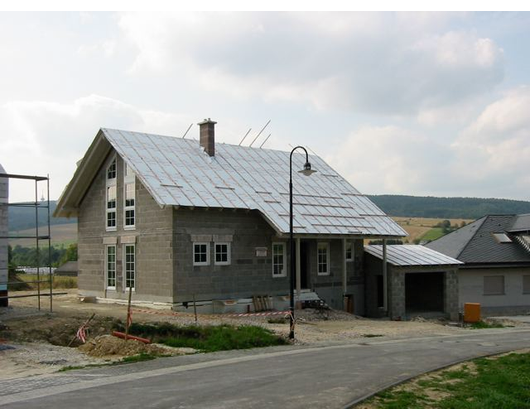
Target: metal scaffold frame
[{"x": 38, "y": 237}]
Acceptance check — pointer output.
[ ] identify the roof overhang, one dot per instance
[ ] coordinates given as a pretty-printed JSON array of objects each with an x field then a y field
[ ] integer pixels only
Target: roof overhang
[{"x": 68, "y": 204}]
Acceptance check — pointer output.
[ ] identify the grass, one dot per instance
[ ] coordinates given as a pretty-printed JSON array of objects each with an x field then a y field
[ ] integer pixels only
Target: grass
[
  {"x": 59, "y": 282},
  {"x": 208, "y": 338},
  {"x": 482, "y": 325},
  {"x": 495, "y": 382},
  {"x": 432, "y": 234}
]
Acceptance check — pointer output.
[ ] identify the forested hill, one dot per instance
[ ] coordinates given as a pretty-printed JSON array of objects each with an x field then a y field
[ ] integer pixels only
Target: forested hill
[
  {"x": 447, "y": 207},
  {"x": 21, "y": 218}
]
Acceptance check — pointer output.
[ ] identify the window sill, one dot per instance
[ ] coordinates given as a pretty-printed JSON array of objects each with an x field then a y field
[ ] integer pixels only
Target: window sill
[{"x": 129, "y": 228}]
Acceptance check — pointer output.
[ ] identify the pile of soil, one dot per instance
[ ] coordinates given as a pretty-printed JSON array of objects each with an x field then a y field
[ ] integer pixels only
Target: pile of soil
[
  {"x": 108, "y": 345},
  {"x": 53, "y": 328}
]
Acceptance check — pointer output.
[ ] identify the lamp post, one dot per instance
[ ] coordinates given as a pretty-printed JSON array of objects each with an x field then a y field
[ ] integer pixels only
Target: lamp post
[{"x": 306, "y": 171}]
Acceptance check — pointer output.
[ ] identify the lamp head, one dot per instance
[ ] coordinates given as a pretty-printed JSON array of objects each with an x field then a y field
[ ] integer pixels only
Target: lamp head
[{"x": 307, "y": 169}]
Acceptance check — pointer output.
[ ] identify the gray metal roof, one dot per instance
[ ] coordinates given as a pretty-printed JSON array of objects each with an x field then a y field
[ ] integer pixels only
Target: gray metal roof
[
  {"x": 476, "y": 243},
  {"x": 411, "y": 255},
  {"x": 177, "y": 172}
]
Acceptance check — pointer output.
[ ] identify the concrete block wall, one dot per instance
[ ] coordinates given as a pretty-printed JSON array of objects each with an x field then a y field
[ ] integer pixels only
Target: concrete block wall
[
  {"x": 396, "y": 293},
  {"x": 246, "y": 275},
  {"x": 330, "y": 287},
  {"x": 152, "y": 236},
  {"x": 4, "y": 230},
  {"x": 451, "y": 306}
]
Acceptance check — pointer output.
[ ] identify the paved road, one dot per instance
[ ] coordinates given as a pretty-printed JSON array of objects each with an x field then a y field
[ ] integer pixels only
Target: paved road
[{"x": 300, "y": 377}]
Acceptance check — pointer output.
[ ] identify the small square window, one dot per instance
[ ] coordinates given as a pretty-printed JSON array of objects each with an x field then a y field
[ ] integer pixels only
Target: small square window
[
  {"x": 222, "y": 253},
  {"x": 201, "y": 253}
]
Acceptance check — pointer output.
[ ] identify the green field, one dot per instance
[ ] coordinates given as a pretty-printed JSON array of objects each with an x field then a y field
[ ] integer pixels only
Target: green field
[
  {"x": 433, "y": 234},
  {"x": 64, "y": 235}
]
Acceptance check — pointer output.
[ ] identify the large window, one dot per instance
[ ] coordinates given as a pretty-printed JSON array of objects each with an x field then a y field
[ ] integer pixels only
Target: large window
[
  {"x": 278, "y": 260},
  {"x": 323, "y": 259},
  {"x": 349, "y": 252},
  {"x": 129, "y": 268},
  {"x": 494, "y": 285},
  {"x": 111, "y": 267},
  {"x": 201, "y": 253},
  {"x": 129, "y": 186},
  {"x": 222, "y": 253},
  {"x": 111, "y": 196}
]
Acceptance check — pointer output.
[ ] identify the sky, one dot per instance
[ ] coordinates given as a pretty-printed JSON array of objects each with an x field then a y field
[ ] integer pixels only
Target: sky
[{"x": 415, "y": 103}]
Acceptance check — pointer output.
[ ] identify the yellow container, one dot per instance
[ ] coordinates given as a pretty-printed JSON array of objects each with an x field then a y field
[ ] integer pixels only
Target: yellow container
[{"x": 471, "y": 312}]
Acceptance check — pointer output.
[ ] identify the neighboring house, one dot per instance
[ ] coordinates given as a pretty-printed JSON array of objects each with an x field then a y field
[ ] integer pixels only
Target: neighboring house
[
  {"x": 69, "y": 268},
  {"x": 495, "y": 251},
  {"x": 180, "y": 220}
]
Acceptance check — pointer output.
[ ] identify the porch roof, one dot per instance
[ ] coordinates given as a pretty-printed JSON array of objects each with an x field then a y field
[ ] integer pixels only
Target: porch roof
[{"x": 411, "y": 255}]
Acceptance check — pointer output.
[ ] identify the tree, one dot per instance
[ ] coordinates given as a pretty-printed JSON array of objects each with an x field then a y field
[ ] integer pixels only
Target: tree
[{"x": 70, "y": 254}]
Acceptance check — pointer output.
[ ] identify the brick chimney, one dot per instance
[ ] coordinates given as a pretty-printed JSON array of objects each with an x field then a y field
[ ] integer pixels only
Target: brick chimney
[{"x": 207, "y": 132}]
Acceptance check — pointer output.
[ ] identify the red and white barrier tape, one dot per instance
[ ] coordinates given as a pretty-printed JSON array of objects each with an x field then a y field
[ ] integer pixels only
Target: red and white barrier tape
[{"x": 147, "y": 311}]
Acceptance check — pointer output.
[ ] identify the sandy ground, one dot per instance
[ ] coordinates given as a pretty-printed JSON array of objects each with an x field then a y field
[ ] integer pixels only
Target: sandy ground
[{"x": 33, "y": 342}]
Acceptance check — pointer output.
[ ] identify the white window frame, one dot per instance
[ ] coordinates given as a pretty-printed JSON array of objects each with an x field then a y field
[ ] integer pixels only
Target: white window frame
[
  {"x": 201, "y": 263},
  {"x": 109, "y": 184},
  {"x": 125, "y": 288},
  {"x": 319, "y": 246},
  {"x": 228, "y": 253},
  {"x": 349, "y": 245},
  {"x": 129, "y": 178},
  {"x": 284, "y": 257},
  {"x": 107, "y": 247}
]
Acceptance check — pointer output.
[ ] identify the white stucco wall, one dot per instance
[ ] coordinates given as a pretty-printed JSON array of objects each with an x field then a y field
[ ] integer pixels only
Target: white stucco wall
[
  {"x": 471, "y": 289},
  {"x": 4, "y": 193}
]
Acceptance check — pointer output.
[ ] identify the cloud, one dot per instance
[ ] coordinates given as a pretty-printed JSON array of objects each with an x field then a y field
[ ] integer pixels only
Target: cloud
[
  {"x": 488, "y": 158},
  {"x": 49, "y": 137},
  {"x": 492, "y": 153},
  {"x": 382, "y": 63},
  {"x": 390, "y": 159}
]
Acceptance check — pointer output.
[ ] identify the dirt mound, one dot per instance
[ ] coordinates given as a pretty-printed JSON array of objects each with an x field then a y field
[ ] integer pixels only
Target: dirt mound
[{"x": 108, "y": 345}]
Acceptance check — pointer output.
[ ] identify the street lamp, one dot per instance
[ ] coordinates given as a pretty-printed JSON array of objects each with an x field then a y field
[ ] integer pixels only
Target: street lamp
[{"x": 306, "y": 171}]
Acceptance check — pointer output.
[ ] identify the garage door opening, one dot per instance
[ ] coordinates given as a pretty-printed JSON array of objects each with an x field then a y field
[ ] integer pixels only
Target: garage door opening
[{"x": 424, "y": 292}]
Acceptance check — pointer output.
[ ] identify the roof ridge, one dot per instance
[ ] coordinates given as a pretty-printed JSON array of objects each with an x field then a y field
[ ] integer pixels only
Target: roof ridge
[{"x": 483, "y": 218}]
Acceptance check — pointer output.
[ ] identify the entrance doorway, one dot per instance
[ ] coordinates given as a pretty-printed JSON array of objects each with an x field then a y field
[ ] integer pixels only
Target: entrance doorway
[{"x": 424, "y": 292}]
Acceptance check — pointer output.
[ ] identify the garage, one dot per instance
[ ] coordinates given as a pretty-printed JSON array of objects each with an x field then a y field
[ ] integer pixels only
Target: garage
[
  {"x": 424, "y": 292},
  {"x": 419, "y": 282}
]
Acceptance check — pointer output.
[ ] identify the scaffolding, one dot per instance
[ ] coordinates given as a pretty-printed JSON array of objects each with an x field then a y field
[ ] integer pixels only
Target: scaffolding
[{"x": 38, "y": 237}]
